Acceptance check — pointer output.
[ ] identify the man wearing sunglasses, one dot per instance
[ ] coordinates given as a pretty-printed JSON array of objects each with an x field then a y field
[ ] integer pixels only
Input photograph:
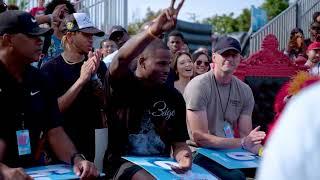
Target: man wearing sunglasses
[
  {"x": 217, "y": 103},
  {"x": 29, "y": 111}
]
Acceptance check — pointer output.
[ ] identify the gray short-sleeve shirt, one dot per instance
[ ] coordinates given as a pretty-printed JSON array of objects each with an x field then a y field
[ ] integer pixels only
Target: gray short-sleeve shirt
[{"x": 201, "y": 94}]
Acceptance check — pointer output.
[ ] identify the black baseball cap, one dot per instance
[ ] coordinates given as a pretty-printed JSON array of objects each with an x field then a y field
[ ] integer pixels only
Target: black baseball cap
[
  {"x": 80, "y": 22},
  {"x": 116, "y": 30},
  {"x": 227, "y": 43},
  {"x": 15, "y": 21}
]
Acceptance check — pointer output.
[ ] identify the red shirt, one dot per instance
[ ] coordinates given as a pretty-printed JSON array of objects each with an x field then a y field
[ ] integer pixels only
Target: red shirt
[{"x": 36, "y": 11}]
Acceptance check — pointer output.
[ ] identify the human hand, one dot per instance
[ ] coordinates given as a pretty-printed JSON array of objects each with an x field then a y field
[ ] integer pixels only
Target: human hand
[
  {"x": 13, "y": 174},
  {"x": 58, "y": 14},
  {"x": 254, "y": 138},
  {"x": 167, "y": 19},
  {"x": 95, "y": 57},
  {"x": 86, "y": 71},
  {"x": 185, "y": 162},
  {"x": 85, "y": 169}
]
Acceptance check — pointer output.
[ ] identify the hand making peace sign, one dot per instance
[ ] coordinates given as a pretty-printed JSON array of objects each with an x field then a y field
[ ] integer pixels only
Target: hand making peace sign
[{"x": 167, "y": 19}]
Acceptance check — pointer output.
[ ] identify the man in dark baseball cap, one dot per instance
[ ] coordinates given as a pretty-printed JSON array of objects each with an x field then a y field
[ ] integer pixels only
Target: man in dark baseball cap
[
  {"x": 226, "y": 56},
  {"x": 227, "y": 43},
  {"x": 80, "y": 22},
  {"x": 13, "y": 22},
  {"x": 229, "y": 106},
  {"x": 119, "y": 35},
  {"x": 28, "y": 107}
]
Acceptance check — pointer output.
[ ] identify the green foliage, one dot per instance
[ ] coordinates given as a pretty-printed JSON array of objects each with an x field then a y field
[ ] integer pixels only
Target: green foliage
[
  {"x": 244, "y": 20},
  {"x": 223, "y": 24},
  {"x": 151, "y": 15},
  {"x": 227, "y": 23},
  {"x": 22, "y": 4},
  {"x": 274, "y": 7},
  {"x": 12, "y": 2},
  {"x": 133, "y": 28}
]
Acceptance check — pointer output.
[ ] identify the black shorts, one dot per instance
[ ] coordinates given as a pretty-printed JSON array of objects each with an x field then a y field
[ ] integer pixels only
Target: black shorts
[{"x": 126, "y": 171}]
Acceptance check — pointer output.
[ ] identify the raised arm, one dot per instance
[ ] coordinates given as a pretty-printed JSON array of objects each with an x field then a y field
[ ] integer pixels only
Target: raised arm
[
  {"x": 133, "y": 47},
  {"x": 87, "y": 70},
  {"x": 54, "y": 17}
]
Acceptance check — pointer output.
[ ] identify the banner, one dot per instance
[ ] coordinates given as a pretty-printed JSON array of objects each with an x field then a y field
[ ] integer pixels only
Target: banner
[
  {"x": 232, "y": 158},
  {"x": 258, "y": 18},
  {"x": 160, "y": 168}
]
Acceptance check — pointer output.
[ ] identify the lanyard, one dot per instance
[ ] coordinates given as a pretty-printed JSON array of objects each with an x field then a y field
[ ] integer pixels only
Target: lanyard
[{"x": 225, "y": 110}]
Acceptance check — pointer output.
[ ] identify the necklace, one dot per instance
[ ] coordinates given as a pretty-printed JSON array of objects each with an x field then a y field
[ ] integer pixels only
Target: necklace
[
  {"x": 69, "y": 62},
  {"x": 225, "y": 110}
]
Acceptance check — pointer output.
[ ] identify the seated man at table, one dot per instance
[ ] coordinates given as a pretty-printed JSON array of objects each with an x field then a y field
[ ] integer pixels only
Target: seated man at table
[
  {"x": 29, "y": 111},
  {"x": 146, "y": 118},
  {"x": 217, "y": 102}
]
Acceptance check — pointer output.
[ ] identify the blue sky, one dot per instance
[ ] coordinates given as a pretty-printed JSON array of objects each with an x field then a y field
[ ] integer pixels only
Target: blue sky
[{"x": 200, "y": 8}]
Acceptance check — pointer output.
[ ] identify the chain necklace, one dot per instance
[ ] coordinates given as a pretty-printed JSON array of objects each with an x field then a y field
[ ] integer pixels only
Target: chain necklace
[{"x": 69, "y": 62}]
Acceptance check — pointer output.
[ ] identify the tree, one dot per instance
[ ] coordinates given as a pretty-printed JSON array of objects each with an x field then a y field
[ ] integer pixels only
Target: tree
[
  {"x": 133, "y": 28},
  {"x": 223, "y": 24},
  {"x": 244, "y": 20},
  {"x": 274, "y": 7},
  {"x": 23, "y": 4},
  {"x": 227, "y": 23}
]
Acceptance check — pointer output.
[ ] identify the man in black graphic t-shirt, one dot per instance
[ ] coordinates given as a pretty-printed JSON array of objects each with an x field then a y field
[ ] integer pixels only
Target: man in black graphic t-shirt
[
  {"x": 146, "y": 118},
  {"x": 153, "y": 116}
]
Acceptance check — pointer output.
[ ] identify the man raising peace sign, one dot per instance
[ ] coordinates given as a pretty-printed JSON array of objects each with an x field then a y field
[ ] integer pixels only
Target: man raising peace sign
[{"x": 146, "y": 118}]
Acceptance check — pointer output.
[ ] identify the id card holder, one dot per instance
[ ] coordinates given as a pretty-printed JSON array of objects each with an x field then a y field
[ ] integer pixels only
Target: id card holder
[
  {"x": 23, "y": 142},
  {"x": 228, "y": 132}
]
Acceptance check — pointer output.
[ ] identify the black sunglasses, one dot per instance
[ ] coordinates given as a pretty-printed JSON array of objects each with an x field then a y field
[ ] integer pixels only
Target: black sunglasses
[{"x": 200, "y": 62}]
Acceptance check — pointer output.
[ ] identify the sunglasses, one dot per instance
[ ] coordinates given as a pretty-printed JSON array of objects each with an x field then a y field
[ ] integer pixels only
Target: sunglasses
[{"x": 200, "y": 62}]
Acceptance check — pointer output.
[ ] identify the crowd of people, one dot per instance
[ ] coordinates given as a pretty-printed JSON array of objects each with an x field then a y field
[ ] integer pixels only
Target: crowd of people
[{"x": 155, "y": 98}]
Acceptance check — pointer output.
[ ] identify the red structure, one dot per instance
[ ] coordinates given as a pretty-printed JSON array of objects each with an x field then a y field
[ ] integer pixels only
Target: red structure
[
  {"x": 265, "y": 72},
  {"x": 268, "y": 62}
]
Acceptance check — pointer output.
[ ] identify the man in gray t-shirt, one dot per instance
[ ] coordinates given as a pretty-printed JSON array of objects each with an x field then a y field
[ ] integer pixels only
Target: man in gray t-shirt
[{"x": 217, "y": 102}]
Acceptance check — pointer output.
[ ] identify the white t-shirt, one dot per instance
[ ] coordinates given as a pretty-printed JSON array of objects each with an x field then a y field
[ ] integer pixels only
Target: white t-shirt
[
  {"x": 108, "y": 59},
  {"x": 292, "y": 151},
  {"x": 315, "y": 70}
]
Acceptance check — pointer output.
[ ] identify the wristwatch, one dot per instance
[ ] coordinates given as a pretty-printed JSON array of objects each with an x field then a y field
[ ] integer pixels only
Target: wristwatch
[{"x": 76, "y": 155}]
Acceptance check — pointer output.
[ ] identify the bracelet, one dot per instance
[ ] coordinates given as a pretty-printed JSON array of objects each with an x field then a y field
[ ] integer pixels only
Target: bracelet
[
  {"x": 151, "y": 34},
  {"x": 242, "y": 144},
  {"x": 73, "y": 157},
  {"x": 260, "y": 151}
]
